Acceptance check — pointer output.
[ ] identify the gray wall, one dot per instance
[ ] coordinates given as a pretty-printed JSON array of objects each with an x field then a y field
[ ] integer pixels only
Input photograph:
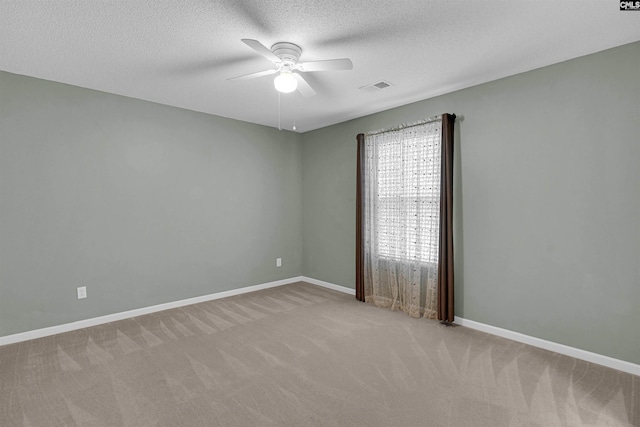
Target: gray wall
[
  {"x": 145, "y": 204},
  {"x": 141, "y": 203},
  {"x": 547, "y": 200}
]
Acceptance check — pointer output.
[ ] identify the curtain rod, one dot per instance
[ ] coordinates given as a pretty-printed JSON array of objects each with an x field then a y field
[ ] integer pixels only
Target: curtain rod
[{"x": 406, "y": 125}]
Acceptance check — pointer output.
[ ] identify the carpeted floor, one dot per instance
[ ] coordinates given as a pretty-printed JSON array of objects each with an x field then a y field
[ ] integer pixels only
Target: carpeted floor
[{"x": 300, "y": 355}]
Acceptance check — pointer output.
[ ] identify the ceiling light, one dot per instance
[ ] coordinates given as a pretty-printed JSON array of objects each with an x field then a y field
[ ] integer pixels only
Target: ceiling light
[{"x": 285, "y": 82}]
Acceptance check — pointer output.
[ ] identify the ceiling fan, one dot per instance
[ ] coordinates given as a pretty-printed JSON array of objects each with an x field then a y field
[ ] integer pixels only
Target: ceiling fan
[{"x": 286, "y": 58}]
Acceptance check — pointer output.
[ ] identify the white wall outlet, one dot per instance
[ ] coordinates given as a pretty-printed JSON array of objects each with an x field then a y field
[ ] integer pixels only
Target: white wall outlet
[
  {"x": 278, "y": 262},
  {"x": 82, "y": 292}
]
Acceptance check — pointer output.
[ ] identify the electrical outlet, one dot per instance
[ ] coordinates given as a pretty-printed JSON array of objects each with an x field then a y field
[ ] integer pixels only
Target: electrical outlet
[
  {"x": 82, "y": 292},
  {"x": 278, "y": 262}
]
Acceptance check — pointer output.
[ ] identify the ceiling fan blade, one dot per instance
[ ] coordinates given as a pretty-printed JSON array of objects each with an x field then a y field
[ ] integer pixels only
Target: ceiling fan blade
[
  {"x": 303, "y": 87},
  {"x": 252, "y": 75},
  {"x": 261, "y": 49},
  {"x": 327, "y": 65}
]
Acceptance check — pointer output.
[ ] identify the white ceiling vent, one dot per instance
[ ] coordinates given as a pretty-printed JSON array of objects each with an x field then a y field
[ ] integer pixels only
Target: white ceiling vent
[{"x": 374, "y": 87}]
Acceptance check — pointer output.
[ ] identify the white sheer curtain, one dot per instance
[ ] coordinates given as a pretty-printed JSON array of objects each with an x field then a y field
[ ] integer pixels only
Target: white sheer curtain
[{"x": 401, "y": 210}]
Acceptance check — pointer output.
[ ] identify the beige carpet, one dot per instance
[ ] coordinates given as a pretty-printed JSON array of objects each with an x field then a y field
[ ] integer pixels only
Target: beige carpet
[{"x": 299, "y": 355}]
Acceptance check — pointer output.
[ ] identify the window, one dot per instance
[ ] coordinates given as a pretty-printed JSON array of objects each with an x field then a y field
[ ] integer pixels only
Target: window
[
  {"x": 404, "y": 218},
  {"x": 407, "y": 193}
]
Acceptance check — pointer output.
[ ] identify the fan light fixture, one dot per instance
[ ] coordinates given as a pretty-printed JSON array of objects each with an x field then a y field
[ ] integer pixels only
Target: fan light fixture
[
  {"x": 285, "y": 58},
  {"x": 285, "y": 82}
]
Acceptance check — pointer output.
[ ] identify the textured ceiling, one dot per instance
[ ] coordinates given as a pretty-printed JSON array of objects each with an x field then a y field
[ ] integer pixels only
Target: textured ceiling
[{"x": 181, "y": 52}]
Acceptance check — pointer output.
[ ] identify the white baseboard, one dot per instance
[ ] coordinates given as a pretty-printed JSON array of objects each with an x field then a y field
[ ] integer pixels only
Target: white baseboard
[
  {"x": 599, "y": 359},
  {"x": 328, "y": 285},
  {"x": 67, "y": 327}
]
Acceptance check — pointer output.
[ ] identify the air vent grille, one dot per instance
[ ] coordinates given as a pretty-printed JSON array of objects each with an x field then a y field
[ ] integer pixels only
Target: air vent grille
[{"x": 374, "y": 87}]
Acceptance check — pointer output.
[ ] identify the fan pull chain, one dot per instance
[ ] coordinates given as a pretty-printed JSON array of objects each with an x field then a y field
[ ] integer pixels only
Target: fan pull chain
[
  {"x": 279, "y": 127},
  {"x": 294, "y": 116}
]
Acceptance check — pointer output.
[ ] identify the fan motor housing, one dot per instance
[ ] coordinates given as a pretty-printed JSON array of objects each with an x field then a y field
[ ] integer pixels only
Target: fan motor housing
[{"x": 289, "y": 53}]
